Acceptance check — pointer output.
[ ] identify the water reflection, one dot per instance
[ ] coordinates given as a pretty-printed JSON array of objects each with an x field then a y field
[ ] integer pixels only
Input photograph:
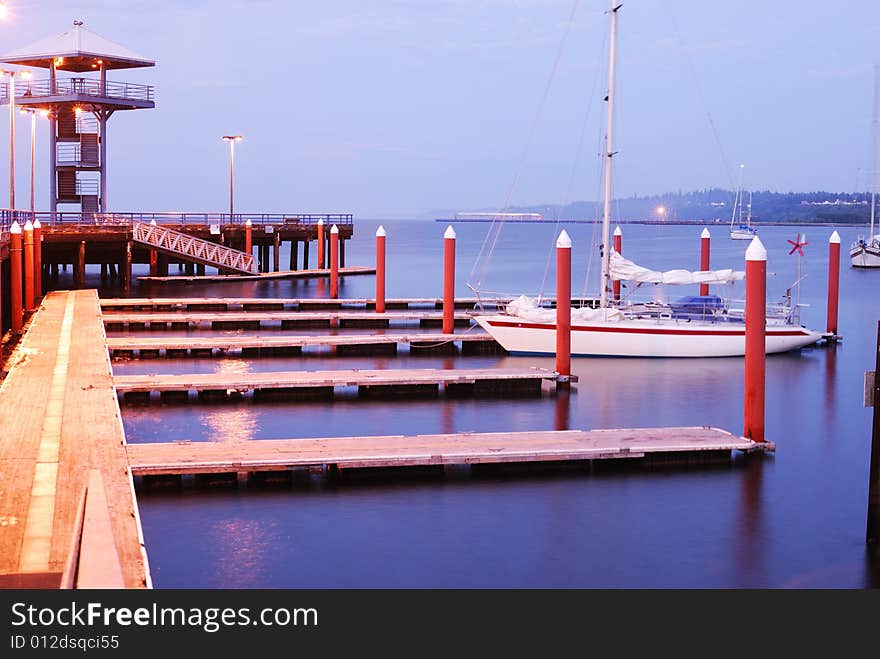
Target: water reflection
[{"x": 231, "y": 422}]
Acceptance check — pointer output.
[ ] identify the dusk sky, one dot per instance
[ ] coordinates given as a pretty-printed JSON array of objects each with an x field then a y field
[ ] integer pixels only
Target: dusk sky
[{"x": 400, "y": 108}]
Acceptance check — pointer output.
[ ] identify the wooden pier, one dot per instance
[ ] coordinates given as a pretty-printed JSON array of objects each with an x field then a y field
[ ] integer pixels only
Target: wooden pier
[
  {"x": 324, "y": 384},
  {"x": 60, "y": 425},
  {"x": 339, "y": 453},
  {"x": 263, "y": 345},
  {"x": 286, "y": 319}
]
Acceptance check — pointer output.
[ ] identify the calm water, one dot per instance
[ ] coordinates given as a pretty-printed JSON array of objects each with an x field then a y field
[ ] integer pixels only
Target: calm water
[{"x": 795, "y": 519}]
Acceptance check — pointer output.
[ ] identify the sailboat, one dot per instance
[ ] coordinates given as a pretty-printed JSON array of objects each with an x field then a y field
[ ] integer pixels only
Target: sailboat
[
  {"x": 865, "y": 251},
  {"x": 738, "y": 229},
  {"x": 699, "y": 326}
]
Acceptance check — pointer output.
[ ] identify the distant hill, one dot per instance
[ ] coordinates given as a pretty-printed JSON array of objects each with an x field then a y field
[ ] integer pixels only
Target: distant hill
[{"x": 717, "y": 205}]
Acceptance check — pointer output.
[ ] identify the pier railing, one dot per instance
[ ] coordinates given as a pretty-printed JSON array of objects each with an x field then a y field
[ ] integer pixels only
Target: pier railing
[
  {"x": 189, "y": 218},
  {"x": 30, "y": 90},
  {"x": 8, "y": 216}
]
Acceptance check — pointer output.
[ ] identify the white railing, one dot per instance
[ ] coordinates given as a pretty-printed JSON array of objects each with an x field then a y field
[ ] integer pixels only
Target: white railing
[{"x": 203, "y": 251}]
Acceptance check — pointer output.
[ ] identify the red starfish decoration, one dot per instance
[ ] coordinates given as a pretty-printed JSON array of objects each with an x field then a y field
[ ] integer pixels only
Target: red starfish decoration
[{"x": 798, "y": 245}]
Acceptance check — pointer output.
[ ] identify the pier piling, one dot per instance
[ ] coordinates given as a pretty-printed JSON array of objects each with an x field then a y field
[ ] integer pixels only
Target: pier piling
[
  {"x": 618, "y": 247},
  {"x": 705, "y": 238},
  {"x": 15, "y": 285},
  {"x": 321, "y": 262},
  {"x": 872, "y": 534},
  {"x": 380, "y": 269},
  {"x": 449, "y": 280},
  {"x": 28, "y": 266},
  {"x": 563, "y": 308},
  {"x": 38, "y": 259},
  {"x": 755, "y": 357},
  {"x": 334, "y": 262},
  {"x": 833, "y": 282}
]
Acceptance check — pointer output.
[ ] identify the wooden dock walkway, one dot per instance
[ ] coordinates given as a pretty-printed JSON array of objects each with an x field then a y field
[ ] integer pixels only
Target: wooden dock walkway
[
  {"x": 262, "y": 345},
  {"x": 115, "y": 321},
  {"x": 179, "y": 458},
  {"x": 298, "y": 304},
  {"x": 282, "y": 274},
  {"x": 323, "y": 384},
  {"x": 60, "y": 423}
]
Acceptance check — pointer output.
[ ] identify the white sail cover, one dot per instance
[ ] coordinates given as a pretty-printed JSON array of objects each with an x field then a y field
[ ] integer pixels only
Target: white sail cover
[
  {"x": 527, "y": 308},
  {"x": 621, "y": 268}
]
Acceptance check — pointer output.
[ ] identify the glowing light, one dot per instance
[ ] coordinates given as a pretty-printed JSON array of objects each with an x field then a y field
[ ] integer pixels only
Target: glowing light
[
  {"x": 4, "y": 10},
  {"x": 44, "y": 113},
  {"x": 661, "y": 210},
  {"x": 77, "y": 110}
]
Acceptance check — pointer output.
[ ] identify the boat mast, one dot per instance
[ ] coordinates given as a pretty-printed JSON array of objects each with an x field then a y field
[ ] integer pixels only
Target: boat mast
[
  {"x": 874, "y": 149},
  {"x": 609, "y": 154}
]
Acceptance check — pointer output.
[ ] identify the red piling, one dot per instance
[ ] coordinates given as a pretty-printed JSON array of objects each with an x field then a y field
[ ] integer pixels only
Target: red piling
[
  {"x": 28, "y": 270},
  {"x": 449, "y": 280},
  {"x": 380, "y": 270},
  {"x": 756, "y": 350},
  {"x": 833, "y": 282},
  {"x": 563, "y": 307},
  {"x": 38, "y": 259},
  {"x": 321, "y": 262},
  {"x": 249, "y": 237},
  {"x": 705, "y": 238},
  {"x": 618, "y": 247},
  {"x": 334, "y": 262},
  {"x": 15, "y": 276}
]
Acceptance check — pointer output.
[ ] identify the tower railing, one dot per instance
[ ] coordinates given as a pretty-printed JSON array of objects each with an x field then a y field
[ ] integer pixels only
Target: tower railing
[{"x": 36, "y": 89}]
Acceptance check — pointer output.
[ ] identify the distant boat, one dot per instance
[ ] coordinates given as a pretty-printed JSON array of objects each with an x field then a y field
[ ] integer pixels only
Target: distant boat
[
  {"x": 740, "y": 230},
  {"x": 515, "y": 217},
  {"x": 865, "y": 251}
]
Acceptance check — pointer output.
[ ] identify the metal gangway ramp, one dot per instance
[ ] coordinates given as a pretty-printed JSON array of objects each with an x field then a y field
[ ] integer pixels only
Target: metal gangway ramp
[{"x": 193, "y": 249}]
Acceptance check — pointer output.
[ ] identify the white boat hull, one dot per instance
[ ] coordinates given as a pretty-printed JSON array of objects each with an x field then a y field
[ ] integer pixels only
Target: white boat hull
[
  {"x": 743, "y": 234},
  {"x": 865, "y": 256},
  {"x": 637, "y": 338}
]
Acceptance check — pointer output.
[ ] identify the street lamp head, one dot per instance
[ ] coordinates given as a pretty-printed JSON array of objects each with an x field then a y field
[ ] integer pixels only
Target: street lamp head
[{"x": 232, "y": 138}]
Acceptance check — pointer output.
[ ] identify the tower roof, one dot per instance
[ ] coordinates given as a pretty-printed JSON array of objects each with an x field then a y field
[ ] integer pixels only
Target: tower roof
[{"x": 79, "y": 48}]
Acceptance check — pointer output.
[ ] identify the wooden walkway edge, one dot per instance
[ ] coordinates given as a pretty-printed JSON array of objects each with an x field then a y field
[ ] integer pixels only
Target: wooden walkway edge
[{"x": 60, "y": 419}]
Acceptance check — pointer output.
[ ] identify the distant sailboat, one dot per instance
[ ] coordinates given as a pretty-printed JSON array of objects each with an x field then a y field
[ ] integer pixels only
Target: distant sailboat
[
  {"x": 738, "y": 229},
  {"x": 865, "y": 251}
]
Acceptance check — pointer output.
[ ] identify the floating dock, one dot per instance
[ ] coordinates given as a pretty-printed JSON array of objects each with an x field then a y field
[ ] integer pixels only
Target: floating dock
[
  {"x": 303, "y": 304},
  {"x": 61, "y": 425},
  {"x": 324, "y": 384},
  {"x": 472, "y": 343},
  {"x": 286, "y": 319},
  {"x": 180, "y": 458}
]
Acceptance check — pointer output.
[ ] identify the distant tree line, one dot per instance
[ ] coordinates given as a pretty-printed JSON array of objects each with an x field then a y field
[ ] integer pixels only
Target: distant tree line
[{"x": 716, "y": 205}]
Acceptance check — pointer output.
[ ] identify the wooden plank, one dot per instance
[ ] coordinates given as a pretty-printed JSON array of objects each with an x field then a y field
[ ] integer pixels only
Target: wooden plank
[
  {"x": 208, "y": 318},
  {"x": 424, "y": 450},
  {"x": 306, "y": 379},
  {"x": 869, "y": 388},
  {"x": 230, "y": 343},
  {"x": 244, "y": 302},
  {"x": 99, "y": 565},
  {"x": 65, "y": 422}
]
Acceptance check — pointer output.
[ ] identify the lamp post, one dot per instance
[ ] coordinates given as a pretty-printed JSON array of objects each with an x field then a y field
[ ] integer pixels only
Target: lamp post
[
  {"x": 232, "y": 139},
  {"x": 33, "y": 112}
]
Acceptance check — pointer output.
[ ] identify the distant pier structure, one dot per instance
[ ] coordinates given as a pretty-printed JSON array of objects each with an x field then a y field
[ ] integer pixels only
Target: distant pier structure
[{"x": 79, "y": 100}]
